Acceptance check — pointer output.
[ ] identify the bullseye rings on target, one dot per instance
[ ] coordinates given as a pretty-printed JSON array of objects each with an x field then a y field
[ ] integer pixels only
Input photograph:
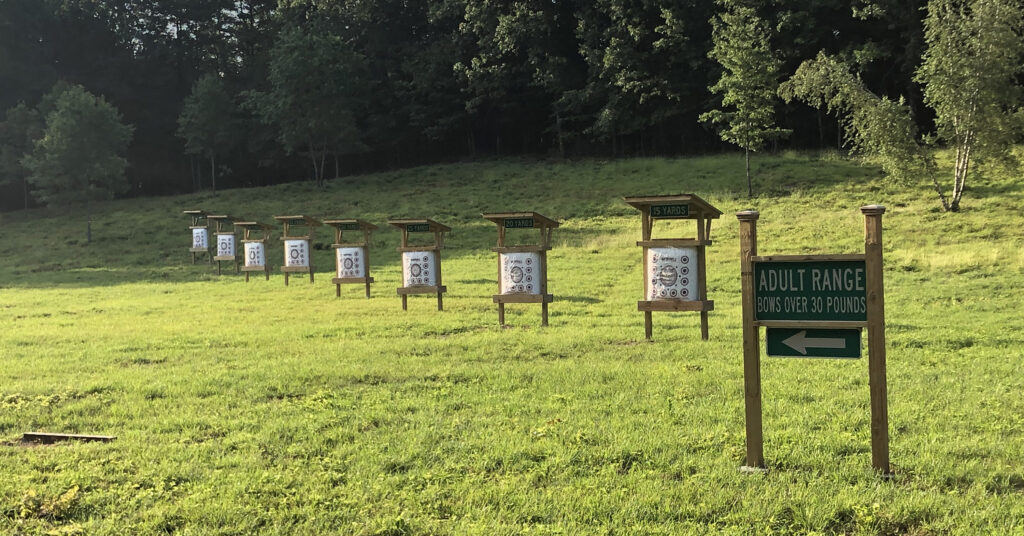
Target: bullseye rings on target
[
  {"x": 520, "y": 273},
  {"x": 255, "y": 254},
  {"x": 419, "y": 268},
  {"x": 200, "y": 238},
  {"x": 669, "y": 272},
  {"x": 351, "y": 262},
  {"x": 296, "y": 253}
]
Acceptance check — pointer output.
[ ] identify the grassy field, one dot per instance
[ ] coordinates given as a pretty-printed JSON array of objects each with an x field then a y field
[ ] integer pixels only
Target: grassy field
[{"x": 259, "y": 408}]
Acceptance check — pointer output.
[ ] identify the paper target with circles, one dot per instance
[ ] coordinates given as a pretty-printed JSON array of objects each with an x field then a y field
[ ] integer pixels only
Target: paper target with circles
[
  {"x": 419, "y": 268},
  {"x": 351, "y": 262},
  {"x": 520, "y": 273},
  {"x": 255, "y": 255},
  {"x": 672, "y": 274},
  {"x": 200, "y": 238},
  {"x": 296, "y": 253},
  {"x": 225, "y": 245}
]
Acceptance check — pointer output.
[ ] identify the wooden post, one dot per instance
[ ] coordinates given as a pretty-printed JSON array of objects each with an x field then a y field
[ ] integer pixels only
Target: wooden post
[
  {"x": 702, "y": 285},
  {"x": 751, "y": 344},
  {"x": 501, "y": 314},
  {"x": 876, "y": 337},
  {"x": 405, "y": 302}
]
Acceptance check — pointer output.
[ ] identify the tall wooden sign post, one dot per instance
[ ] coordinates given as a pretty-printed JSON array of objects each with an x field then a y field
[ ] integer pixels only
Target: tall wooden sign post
[
  {"x": 675, "y": 269},
  {"x": 352, "y": 258},
  {"x": 814, "y": 305},
  {"x": 523, "y": 270},
  {"x": 255, "y": 248},
  {"x": 225, "y": 240},
  {"x": 298, "y": 249},
  {"x": 421, "y": 264},
  {"x": 200, "y": 234}
]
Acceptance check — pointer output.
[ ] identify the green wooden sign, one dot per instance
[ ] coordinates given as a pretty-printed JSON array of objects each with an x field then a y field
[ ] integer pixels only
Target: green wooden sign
[
  {"x": 797, "y": 342},
  {"x": 810, "y": 290},
  {"x": 668, "y": 212},
  {"x": 418, "y": 228},
  {"x": 518, "y": 223},
  {"x": 348, "y": 226}
]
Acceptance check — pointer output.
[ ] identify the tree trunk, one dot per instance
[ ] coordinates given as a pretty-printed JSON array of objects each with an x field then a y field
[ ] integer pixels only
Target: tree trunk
[
  {"x": 558, "y": 131},
  {"x": 24, "y": 184},
  {"x": 750, "y": 187},
  {"x": 337, "y": 172},
  {"x": 213, "y": 173},
  {"x": 88, "y": 224},
  {"x": 821, "y": 131}
]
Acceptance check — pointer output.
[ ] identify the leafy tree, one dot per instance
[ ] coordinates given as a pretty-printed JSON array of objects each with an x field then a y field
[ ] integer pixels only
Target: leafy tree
[
  {"x": 207, "y": 122},
  {"x": 18, "y": 134},
  {"x": 316, "y": 90},
  {"x": 974, "y": 55},
  {"x": 79, "y": 158},
  {"x": 749, "y": 81}
]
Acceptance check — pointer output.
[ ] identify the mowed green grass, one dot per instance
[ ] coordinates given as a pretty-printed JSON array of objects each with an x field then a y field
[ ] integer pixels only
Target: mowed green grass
[{"x": 258, "y": 408}]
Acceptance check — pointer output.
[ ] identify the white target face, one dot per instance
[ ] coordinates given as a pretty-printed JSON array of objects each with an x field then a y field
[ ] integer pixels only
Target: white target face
[
  {"x": 296, "y": 253},
  {"x": 520, "y": 273},
  {"x": 255, "y": 255},
  {"x": 672, "y": 274},
  {"x": 226, "y": 245},
  {"x": 419, "y": 268},
  {"x": 351, "y": 262},
  {"x": 200, "y": 238}
]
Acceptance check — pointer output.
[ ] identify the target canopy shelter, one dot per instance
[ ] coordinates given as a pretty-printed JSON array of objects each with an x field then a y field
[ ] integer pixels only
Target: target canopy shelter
[
  {"x": 352, "y": 257},
  {"x": 255, "y": 239},
  {"x": 200, "y": 234},
  {"x": 421, "y": 264},
  {"x": 297, "y": 236},
  {"x": 522, "y": 269},
  {"x": 225, "y": 242},
  {"x": 675, "y": 275}
]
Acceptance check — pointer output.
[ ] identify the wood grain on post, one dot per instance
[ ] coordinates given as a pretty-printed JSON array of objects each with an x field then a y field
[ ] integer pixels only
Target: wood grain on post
[
  {"x": 751, "y": 344},
  {"x": 873, "y": 276}
]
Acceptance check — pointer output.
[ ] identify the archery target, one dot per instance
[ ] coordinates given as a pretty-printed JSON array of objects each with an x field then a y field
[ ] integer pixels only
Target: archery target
[
  {"x": 351, "y": 262},
  {"x": 254, "y": 254},
  {"x": 226, "y": 245},
  {"x": 672, "y": 274},
  {"x": 296, "y": 253},
  {"x": 200, "y": 238},
  {"x": 520, "y": 273},
  {"x": 419, "y": 268}
]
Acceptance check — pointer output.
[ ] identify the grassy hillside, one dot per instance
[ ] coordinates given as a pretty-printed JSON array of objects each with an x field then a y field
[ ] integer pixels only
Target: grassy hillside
[{"x": 259, "y": 408}]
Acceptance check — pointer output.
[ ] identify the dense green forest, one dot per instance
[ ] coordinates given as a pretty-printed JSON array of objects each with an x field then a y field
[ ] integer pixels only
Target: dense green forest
[{"x": 255, "y": 92}]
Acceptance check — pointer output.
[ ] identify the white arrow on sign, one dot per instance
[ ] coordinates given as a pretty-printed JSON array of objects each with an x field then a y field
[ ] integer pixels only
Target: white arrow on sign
[{"x": 800, "y": 342}]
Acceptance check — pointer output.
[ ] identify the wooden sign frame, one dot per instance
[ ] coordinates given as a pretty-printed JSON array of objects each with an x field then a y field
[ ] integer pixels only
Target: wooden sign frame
[
  {"x": 301, "y": 221},
  {"x": 676, "y": 207},
  {"x": 250, "y": 228},
  {"x": 340, "y": 226},
  {"x": 524, "y": 220},
  {"x": 221, "y": 221},
  {"x": 199, "y": 221},
  {"x": 422, "y": 226},
  {"x": 874, "y": 323}
]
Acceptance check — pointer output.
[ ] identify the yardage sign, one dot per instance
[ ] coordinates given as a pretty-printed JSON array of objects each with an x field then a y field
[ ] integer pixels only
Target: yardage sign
[
  {"x": 812, "y": 290},
  {"x": 669, "y": 212}
]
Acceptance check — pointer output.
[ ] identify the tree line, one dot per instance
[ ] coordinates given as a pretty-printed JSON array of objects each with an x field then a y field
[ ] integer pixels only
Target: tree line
[{"x": 225, "y": 93}]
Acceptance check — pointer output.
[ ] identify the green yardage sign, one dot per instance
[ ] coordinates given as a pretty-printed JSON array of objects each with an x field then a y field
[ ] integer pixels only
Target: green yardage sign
[
  {"x": 418, "y": 228},
  {"x": 667, "y": 212},
  {"x": 810, "y": 290},
  {"x": 518, "y": 223}
]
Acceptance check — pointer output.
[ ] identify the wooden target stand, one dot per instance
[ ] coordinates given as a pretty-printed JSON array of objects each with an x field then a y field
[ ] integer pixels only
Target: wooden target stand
[
  {"x": 421, "y": 274},
  {"x": 675, "y": 269},
  {"x": 200, "y": 234},
  {"x": 814, "y": 306},
  {"x": 348, "y": 265},
  {"x": 298, "y": 248},
  {"x": 523, "y": 270},
  {"x": 225, "y": 241},
  {"x": 255, "y": 256}
]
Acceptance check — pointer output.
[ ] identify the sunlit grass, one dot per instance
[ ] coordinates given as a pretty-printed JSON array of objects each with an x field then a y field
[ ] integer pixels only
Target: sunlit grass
[{"x": 259, "y": 408}]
